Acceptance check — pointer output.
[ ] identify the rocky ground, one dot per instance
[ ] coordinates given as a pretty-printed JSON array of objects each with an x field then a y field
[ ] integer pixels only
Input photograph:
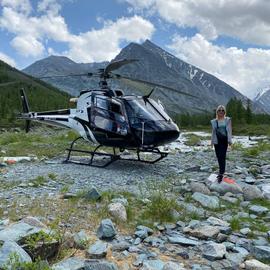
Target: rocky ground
[{"x": 130, "y": 215}]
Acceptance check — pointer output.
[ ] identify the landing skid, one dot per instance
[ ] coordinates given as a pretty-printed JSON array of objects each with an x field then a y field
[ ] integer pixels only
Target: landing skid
[{"x": 110, "y": 158}]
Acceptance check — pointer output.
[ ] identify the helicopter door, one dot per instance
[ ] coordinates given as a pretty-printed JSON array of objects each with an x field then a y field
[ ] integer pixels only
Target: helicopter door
[{"x": 107, "y": 114}]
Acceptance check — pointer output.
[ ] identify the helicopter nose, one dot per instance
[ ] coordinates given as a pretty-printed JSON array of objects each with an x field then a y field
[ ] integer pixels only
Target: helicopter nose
[{"x": 157, "y": 133}]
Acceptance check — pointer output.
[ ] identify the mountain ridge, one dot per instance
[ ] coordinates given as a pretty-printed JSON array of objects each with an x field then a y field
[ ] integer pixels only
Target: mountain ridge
[{"x": 158, "y": 66}]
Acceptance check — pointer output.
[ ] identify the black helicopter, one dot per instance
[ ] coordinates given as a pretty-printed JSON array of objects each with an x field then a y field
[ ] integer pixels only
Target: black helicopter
[{"x": 107, "y": 117}]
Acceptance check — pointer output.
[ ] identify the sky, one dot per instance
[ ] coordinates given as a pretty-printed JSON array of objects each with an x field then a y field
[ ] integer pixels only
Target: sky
[{"x": 227, "y": 38}]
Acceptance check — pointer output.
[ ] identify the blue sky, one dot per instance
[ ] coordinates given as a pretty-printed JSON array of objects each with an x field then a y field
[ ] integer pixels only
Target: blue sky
[{"x": 229, "y": 39}]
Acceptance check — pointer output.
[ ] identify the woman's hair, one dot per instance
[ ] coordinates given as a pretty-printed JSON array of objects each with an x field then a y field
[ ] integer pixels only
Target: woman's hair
[{"x": 220, "y": 107}]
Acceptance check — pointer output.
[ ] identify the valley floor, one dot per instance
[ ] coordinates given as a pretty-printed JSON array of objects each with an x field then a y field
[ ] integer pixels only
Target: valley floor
[{"x": 190, "y": 222}]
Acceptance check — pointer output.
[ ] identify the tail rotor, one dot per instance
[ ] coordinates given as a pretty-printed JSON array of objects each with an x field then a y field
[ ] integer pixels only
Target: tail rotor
[{"x": 26, "y": 110}]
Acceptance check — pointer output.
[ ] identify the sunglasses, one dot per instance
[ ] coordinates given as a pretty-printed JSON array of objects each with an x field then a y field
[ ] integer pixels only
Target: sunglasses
[{"x": 221, "y": 111}]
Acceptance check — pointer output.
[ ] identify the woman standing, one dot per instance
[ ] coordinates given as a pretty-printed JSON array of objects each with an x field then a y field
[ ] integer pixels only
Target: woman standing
[{"x": 221, "y": 138}]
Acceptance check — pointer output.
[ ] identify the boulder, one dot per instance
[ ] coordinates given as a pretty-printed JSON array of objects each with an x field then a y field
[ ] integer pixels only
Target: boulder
[
  {"x": 251, "y": 192},
  {"x": 98, "y": 250},
  {"x": 177, "y": 239},
  {"x": 81, "y": 239},
  {"x": 258, "y": 210},
  {"x": 261, "y": 252},
  {"x": 199, "y": 187},
  {"x": 266, "y": 191},
  {"x": 223, "y": 187},
  {"x": 9, "y": 248},
  {"x": 99, "y": 265},
  {"x": 17, "y": 231},
  {"x": 173, "y": 266},
  {"x": 106, "y": 229},
  {"x": 211, "y": 202},
  {"x": 266, "y": 169},
  {"x": 72, "y": 263},
  {"x": 256, "y": 265},
  {"x": 217, "y": 222},
  {"x": 205, "y": 232},
  {"x": 92, "y": 194},
  {"x": 118, "y": 211},
  {"x": 213, "y": 251},
  {"x": 152, "y": 265}
]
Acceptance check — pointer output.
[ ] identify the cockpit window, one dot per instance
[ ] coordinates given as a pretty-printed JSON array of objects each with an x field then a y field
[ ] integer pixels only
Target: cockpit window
[
  {"x": 108, "y": 105},
  {"x": 140, "y": 110}
]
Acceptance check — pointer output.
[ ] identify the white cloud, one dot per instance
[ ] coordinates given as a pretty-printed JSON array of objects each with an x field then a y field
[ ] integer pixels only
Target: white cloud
[
  {"x": 50, "y": 6},
  {"x": 28, "y": 46},
  {"x": 104, "y": 44},
  {"x": 31, "y": 32},
  {"x": 244, "y": 70},
  {"x": 247, "y": 20},
  {"x": 7, "y": 59},
  {"x": 20, "y": 5}
]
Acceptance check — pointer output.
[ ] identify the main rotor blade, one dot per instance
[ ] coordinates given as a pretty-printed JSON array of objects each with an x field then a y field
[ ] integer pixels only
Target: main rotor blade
[
  {"x": 68, "y": 75},
  {"x": 126, "y": 79},
  {"x": 117, "y": 64}
]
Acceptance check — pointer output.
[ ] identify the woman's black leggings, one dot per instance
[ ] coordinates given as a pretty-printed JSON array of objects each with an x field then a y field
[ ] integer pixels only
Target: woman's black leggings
[{"x": 221, "y": 150}]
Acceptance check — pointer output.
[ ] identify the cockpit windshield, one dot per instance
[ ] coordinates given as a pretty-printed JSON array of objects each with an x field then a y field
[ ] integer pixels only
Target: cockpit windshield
[{"x": 140, "y": 110}]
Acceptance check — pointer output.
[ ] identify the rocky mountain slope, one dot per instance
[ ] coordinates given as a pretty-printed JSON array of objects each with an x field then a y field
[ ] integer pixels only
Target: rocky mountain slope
[
  {"x": 155, "y": 65},
  {"x": 263, "y": 99}
]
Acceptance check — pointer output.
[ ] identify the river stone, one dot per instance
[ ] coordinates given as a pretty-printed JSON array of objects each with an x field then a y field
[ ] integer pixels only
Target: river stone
[
  {"x": 106, "y": 229},
  {"x": 258, "y": 210},
  {"x": 118, "y": 211},
  {"x": 251, "y": 192},
  {"x": 261, "y": 252},
  {"x": 98, "y": 250},
  {"x": 213, "y": 251},
  {"x": 72, "y": 263},
  {"x": 18, "y": 231},
  {"x": 205, "y": 232},
  {"x": 223, "y": 187},
  {"x": 199, "y": 187},
  {"x": 206, "y": 201},
  {"x": 7, "y": 249},
  {"x": 182, "y": 241},
  {"x": 256, "y": 265},
  {"x": 99, "y": 265}
]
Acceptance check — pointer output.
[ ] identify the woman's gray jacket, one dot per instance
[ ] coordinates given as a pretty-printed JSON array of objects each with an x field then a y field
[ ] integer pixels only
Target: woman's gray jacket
[{"x": 228, "y": 124}]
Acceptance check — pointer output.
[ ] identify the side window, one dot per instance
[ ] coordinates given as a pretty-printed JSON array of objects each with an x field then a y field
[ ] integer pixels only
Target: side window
[
  {"x": 102, "y": 103},
  {"x": 116, "y": 108}
]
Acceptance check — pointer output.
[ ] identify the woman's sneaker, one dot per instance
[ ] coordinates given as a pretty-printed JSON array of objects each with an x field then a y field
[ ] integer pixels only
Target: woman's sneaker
[{"x": 219, "y": 178}]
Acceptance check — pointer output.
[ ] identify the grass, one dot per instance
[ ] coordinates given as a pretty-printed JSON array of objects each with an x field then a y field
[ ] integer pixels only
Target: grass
[
  {"x": 46, "y": 142},
  {"x": 39, "y": 181},
  {"x": 263, "y": 202},
  {"x": 192, "y": 139},
  {"x": 235, "y": 224},
  {"x": 255, "y": 151}
]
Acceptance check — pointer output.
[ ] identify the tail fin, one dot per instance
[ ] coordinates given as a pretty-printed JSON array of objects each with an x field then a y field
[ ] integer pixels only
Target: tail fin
[{"x": 26, "y": 109}]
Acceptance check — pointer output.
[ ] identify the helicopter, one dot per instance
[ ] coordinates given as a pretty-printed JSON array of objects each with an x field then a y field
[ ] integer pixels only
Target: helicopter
[{"x": 106, "y": 117}]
